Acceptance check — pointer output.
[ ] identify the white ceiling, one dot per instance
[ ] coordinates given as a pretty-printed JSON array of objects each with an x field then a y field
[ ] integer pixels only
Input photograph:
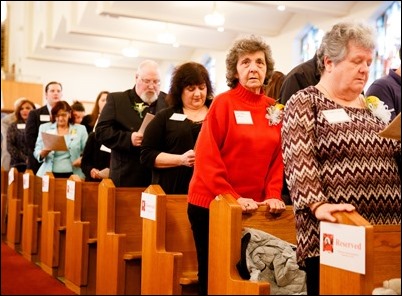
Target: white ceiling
[{"x": 79, "y": 31}]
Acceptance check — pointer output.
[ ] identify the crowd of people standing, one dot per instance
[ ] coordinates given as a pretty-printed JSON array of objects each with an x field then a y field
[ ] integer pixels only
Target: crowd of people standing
[{"x": 308, "y": 138}]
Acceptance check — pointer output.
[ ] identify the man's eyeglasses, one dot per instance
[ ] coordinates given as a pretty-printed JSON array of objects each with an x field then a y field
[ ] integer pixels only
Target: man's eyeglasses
[{"x": 149, "y": 82}]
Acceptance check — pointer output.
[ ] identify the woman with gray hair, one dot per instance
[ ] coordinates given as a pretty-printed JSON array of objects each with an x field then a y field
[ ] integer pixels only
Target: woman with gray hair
[
  {"x": 238, "y": 150},
  {"x": 334, "y": 158}
]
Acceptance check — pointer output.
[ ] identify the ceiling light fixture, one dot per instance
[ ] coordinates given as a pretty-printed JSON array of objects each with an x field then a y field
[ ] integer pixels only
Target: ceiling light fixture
[
  {"x": 214, "y": 19},
  {"x": 167, "y": 37},
  {"x": 102, "y": 62},
  {"x": 130, "y": 51}
]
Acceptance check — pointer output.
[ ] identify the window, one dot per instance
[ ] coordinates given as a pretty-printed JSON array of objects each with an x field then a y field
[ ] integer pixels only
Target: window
[
  {"x": 388, "y": 27},
  {"x": 310, "y": 43}
]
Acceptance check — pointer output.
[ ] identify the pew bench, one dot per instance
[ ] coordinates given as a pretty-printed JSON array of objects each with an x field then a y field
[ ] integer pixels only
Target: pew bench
[
  {"x": 119, "y": 241},
  {"x": 32, "y": 218},
  {"x": 81, "y": 236},
  {"x": 169, "y": 258},
  {"x": 225, "y": 232},
  {"x": 383, "y": 260}
]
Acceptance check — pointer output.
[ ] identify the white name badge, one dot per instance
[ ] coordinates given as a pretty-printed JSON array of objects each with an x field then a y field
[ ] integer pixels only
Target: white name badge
[
  {"x": 336, "y": 116},
  {"x": 20, "y": 125},
  {"x": 44, "y": 117},
  {"x": 243, "y": 117},
  {"x": 178, "y": 117},
  {"x": 104, "y": 148}
]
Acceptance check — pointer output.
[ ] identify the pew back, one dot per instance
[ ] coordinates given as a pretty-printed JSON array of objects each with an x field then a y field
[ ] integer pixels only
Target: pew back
[
  {"x": 383, "y": 260},
  {"x": 226, "y": 223}
]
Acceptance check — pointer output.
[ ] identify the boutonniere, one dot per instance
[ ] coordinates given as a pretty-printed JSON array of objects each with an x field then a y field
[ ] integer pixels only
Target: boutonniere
[
  {"x": 139, "y": 107},
  {"x": 73, "y": 132},
  {"x": 275, "y": 113},
  {"x": 378, "y": 108}
]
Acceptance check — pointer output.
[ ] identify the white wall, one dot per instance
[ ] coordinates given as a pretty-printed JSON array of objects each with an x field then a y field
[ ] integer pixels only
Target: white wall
[{"x": 85, "y": 82}]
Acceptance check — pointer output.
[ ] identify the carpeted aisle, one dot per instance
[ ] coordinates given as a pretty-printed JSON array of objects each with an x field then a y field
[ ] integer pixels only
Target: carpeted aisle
[{"x": 22, "y": 277}]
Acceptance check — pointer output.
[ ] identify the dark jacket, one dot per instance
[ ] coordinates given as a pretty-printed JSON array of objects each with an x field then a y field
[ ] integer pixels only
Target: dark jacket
[
  {"x": 117, "y": 122},
  {"x": 35, "y": 118}
]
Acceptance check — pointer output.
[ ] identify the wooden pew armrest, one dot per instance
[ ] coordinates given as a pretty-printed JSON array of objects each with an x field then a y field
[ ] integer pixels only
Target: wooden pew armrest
[
  {"x": 92, "y": 241},
  {"x": 132, "y": 255},
  {"x": 189, "y": 278}
]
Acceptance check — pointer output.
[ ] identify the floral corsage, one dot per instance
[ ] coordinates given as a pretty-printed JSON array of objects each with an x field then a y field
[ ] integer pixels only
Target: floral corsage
[
  {"x": 275, "y": 113},
  {"x": 378, "y": 108},
  {"x": 140, "y": 107}
]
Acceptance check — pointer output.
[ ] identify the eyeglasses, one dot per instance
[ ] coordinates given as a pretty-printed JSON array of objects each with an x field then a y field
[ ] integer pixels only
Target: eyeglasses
[{"x": 149, "y": 82}]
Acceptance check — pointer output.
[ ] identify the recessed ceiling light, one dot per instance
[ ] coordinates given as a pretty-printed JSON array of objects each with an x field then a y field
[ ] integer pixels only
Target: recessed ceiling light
[
  {"x": 281, "y": 7},
  {"x": 102, "y": 62},
  {"x": 130, "y": 52}
]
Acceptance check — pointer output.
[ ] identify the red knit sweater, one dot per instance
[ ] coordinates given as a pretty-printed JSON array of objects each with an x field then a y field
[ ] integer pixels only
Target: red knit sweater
[{"x": 244, "y": 160}]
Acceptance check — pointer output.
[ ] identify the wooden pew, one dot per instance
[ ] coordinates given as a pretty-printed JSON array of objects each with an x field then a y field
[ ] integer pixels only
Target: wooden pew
[
  {"x": 81, "y": 236},
  {"x": 225, "y": 233},
  {"x": 14, "y": 209},
  {"x": 169, "y": 258},
  {"x": 53, "y": 236},
  {"x": 32, "y": 218},
  {"x": 119, "y": 247},
  {"x": 4, "y": 188},
  {"x": 383, "y": 260}
]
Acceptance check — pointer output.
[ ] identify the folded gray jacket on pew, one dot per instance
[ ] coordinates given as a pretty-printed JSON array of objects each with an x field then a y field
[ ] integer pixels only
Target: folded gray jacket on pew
[{"x": 268, "y": 258}]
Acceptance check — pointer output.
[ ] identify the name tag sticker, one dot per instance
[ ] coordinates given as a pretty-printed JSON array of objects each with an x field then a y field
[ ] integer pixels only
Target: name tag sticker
[
  {"x": 21, "y": 126},
  {"x": 336, "y": 116},
  {"x": 243, "y": 117},
  {"x": 44, "y": 117},
  {"x": 178, "y": 117}
]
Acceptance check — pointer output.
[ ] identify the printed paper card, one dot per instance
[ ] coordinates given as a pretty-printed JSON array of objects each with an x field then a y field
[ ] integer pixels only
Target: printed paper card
[
  {"x": 343, "y": 246},
  {"x": 148, "y": 206},
  {"x": 25, "y": 181},
  {"x": 70, "y": 190},
  {"x": 45, "y": 183}
]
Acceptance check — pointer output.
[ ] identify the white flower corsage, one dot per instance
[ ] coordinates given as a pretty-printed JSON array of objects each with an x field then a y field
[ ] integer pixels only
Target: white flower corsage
[
  {"x": 275, "y": 113},
  {"x": 378, "y": 108}
]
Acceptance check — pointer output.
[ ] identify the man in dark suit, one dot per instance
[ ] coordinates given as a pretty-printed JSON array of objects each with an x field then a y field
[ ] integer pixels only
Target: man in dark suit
[
  {"x": 120, "y": 121},
  {"x": 301, "y": 76},
  {"x": 53, "y": 93}
]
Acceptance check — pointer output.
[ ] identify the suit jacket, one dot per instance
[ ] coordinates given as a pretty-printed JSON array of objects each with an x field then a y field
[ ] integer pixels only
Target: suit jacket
[
  {"x": 35, "y": 118},
  {"x": 117, "y": 122}
]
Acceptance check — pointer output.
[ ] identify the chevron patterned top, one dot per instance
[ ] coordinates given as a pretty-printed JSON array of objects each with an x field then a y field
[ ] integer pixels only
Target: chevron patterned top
[{"x": 339, "y": 162}]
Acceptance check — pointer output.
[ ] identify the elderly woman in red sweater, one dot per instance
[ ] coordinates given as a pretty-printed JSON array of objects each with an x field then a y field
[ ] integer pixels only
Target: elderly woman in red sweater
[{"x": 238, "y": 150}]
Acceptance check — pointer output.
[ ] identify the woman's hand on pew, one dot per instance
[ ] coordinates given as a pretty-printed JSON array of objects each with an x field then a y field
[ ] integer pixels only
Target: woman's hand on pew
[
  {"x": 248, "y": 205},
  {"x": 324, "y": 211},
  {"x": 276, "y": 206}
]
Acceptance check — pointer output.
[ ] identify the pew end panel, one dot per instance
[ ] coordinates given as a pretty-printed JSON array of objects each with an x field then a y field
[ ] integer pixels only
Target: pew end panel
[
  {"x": 383, "y": 260},
  {"x": 32, "y": 203},
  {"x": 225, "y": 226},
  {"x": 168, "y": 247},
  {"x": 4, "y": 188},
  {"x": 119, "y": 240},
  {"x": 81, "y": 236},
  {"x": 14, "y": 210},
  {"x": 53, "y": 236}
]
